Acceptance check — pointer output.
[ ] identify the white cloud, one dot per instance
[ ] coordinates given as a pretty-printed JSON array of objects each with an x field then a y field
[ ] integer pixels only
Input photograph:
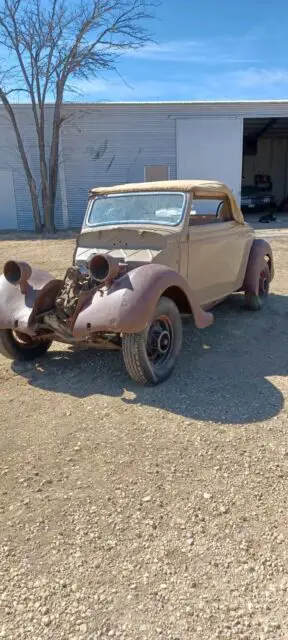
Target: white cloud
[
  {"x": 215, "y": 51},
  {"x": 173, "y": 51},
  {"x": 250, "y": 83},
  {"x": 254, "y": 77}
]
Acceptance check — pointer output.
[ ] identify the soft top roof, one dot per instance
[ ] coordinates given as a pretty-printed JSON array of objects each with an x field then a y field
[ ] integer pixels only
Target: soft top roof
[
  {"x": 205, "y": 189},
  {"x": 163, "y": 185}
]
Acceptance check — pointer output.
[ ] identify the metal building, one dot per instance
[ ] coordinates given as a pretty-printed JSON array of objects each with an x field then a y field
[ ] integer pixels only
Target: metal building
[{"x": 110, "y": 143}]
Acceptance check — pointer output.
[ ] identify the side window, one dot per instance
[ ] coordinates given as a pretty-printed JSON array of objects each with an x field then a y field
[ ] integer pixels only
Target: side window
[{"x": 210, "y": 211}]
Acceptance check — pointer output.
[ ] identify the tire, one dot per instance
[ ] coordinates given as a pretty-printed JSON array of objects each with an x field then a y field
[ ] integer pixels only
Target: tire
[
  {"x": 19, "y": 346},
  {"x": 150, "y": 356},
  {"x": 256, "y": 302}
]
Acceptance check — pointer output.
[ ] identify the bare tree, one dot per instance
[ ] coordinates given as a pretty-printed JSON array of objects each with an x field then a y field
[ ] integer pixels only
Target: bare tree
[{"x": 50, "y": 43}]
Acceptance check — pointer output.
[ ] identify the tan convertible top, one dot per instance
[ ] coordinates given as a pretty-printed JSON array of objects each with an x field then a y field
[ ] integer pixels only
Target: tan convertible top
[{"x": 205, "y": 189}]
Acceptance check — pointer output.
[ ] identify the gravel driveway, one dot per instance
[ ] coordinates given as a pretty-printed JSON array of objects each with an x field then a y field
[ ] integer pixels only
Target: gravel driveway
[{"x": 146, "y": 514}]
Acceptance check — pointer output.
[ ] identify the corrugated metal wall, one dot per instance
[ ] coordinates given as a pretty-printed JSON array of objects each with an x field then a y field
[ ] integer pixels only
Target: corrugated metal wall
[
  {"x": 111, "y": 143},
  {"x": 103, "y": 146},
  {"x": 10, "y": 159}
]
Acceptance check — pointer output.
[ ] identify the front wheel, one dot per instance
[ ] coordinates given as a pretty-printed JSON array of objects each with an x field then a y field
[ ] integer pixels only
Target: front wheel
[
  {"x": 150, "y": 356},
  {"x": 19, "y": 346},
  {"x": 256, "y": 302}
]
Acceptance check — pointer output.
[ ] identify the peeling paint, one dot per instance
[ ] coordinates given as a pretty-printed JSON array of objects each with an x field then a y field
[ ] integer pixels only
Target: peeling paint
[
  {"x": 139, "y": 151},
  {"x": 98, "y": 152}
]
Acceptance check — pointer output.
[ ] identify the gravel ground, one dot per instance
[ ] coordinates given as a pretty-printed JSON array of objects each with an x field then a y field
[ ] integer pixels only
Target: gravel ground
[{"x": 138, "y": 513}]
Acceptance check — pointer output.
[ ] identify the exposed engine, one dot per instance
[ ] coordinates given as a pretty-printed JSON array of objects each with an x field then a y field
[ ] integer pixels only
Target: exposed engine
[
  {"x": 74, "y": 284},
  {"x": 57, "y": 314},
  {"x": 102, "y": 271}
]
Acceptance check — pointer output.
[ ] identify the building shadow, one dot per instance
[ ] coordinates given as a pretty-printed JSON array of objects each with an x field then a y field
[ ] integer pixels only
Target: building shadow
[{"x": 222, "y": 374}]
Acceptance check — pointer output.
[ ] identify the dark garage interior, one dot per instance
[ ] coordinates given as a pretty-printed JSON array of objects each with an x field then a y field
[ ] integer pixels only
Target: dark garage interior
[{"x": 265, "y": 165}]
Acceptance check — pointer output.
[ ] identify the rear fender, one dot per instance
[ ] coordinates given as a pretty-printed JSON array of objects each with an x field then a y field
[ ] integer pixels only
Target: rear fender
[
  {"x": 17, "y": 309},
  {"x": 128, "y": 305},
  {"x": 258, "y": 252}
]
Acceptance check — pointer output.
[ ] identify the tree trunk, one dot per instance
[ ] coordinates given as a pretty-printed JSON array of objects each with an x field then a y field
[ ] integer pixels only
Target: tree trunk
[
  {"x": 29, "y": 177},
  {"x": 35, "y": 206},
  {"x": 44, "y": 180},
  {"x": 43, "y": 163},
  {"x": 49, "y": 212}
]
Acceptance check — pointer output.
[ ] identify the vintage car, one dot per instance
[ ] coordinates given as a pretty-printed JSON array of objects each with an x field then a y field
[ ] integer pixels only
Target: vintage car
[
  {"x": 147, "y": 254},
  {"x": 255, "y": 200}
]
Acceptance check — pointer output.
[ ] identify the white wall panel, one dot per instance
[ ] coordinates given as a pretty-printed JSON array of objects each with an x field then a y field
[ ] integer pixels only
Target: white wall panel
[{"x": 211, "y": 149}]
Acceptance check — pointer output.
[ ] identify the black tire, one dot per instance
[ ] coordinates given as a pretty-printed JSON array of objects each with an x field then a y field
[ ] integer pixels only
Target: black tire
[
  {"x": 150, "y": 356},
  {"x": 254, "y": 302},
  {"x": 18, "y": 346}
]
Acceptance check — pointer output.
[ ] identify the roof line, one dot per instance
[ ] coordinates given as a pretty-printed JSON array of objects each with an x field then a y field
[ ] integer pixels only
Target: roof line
[{"x": 161, "y": 102}]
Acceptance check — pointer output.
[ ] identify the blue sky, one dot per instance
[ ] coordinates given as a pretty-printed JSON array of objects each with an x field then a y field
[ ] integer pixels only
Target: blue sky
[{"x": 205, "y": 50}]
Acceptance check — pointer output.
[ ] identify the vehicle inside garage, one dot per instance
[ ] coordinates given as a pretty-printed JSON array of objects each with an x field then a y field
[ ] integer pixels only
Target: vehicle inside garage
[{"x": 265, "y": 165}]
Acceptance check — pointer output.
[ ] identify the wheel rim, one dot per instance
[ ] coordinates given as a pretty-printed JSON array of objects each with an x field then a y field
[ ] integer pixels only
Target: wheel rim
[
  {"x": 263, "y": 285},
  {"x": 24, "y": 341},
  {"x": 160, "y": 341}
]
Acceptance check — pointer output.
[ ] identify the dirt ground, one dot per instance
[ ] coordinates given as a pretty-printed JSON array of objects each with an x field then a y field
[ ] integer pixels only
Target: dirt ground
[{"x": 146, "y": 514}]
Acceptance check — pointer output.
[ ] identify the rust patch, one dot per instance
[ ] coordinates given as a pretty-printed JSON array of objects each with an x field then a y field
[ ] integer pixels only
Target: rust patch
[{"x": 260, "y": 248}]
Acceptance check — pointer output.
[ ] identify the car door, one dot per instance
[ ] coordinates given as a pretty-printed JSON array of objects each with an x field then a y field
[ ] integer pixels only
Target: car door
[{"x": 218, "y": 252}]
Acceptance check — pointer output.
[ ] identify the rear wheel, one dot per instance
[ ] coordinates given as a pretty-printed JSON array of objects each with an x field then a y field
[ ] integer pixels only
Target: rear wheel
[
  {"x": 19, "y": 346},
  {"x": 150, "y": 356},
  {"x": 256, "y": 302}
]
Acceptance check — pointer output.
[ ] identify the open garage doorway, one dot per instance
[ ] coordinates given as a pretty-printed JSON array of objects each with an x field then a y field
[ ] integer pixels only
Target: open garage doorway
[{"x": 264, "y": 190}]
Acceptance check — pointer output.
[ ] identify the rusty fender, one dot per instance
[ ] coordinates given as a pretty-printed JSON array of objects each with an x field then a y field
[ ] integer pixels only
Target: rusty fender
[
  {"x": 129, "y": 304},
  {"x": 17, "y": 308},
  {"x": 259, "y": 250}
]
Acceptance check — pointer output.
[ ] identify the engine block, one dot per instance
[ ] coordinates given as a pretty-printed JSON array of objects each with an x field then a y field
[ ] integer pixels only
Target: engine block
[{"x": 74, "y": 284}]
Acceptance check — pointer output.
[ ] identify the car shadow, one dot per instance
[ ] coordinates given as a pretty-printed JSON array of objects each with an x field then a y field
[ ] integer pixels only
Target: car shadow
[{"x": 222, "y": 373}]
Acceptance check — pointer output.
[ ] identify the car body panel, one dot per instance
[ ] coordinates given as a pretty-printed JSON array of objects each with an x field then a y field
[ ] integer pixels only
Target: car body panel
[
  {"x": 17, "y": 307},
  {"x": 218, "y": 257},
  {"x": 134, "y": 246},
  {"x": 128, "y": 305}
]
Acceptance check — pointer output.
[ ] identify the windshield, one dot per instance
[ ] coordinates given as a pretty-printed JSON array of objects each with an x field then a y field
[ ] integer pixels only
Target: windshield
[{"x": 137, "y": 208}]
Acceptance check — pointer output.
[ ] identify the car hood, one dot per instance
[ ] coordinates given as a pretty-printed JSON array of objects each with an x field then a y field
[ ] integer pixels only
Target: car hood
[{"x": 132, "y": 246}]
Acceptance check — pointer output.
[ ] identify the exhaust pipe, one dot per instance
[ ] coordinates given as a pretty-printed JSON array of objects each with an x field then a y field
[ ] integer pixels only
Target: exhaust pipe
[{"x": 17, "y": 273}]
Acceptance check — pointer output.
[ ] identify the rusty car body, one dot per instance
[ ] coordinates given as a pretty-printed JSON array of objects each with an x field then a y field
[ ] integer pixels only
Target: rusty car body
[{"x": 143, "y": 258}]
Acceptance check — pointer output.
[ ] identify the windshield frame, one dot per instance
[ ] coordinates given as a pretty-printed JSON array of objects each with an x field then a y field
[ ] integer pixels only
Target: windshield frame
[{"x": 139, "y": 223}]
